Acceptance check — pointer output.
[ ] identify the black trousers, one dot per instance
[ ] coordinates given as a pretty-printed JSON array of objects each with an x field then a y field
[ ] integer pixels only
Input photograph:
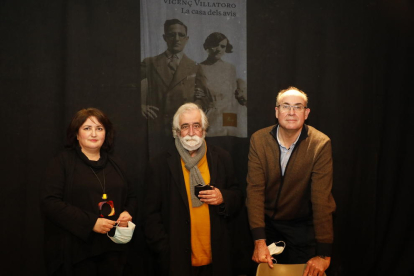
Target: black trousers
[
  {"x": 299, "y": 236},
  {"x": 205, "y": 270},
  {"x": 109, "y": 264}
]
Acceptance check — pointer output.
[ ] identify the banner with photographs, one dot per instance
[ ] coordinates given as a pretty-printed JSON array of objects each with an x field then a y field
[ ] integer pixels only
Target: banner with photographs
[{"x": 194, "y": 51}]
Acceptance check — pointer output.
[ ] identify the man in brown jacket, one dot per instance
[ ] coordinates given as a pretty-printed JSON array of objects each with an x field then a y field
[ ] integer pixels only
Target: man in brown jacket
[{"x": 289, "y": 185}]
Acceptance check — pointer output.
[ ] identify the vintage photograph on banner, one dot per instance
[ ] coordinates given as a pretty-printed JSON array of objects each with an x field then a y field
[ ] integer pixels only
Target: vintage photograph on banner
[{"x": 193, "y": 51}]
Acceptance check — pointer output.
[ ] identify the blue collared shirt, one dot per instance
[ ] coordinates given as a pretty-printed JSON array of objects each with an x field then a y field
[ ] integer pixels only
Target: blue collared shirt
[{"x": 284, "y": 152}]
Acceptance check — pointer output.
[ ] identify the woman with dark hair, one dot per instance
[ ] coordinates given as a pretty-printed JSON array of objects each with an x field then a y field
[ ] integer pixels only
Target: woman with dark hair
[
  {"x": 85, "y": 195},
  {"x": 223, "y": 98}
]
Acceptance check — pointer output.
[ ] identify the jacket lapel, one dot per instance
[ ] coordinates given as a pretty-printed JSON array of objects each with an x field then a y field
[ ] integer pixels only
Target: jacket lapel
[
  {"x": 186, "y": 69},
  {"x": 174, "y": 163},
  {"x": 212, "y": 164},
  {"x": 161, "y": 65}
]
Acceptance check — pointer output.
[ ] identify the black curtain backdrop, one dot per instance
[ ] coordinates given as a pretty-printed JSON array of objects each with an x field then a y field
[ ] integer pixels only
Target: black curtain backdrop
[{"x": 353, "y": 58}]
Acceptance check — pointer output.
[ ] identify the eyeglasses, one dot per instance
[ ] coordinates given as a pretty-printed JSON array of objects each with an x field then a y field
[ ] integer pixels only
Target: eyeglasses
[
  {"x": 186, "y": 128},
  {"x": 286, "y": 108},
  {"x": 174, "y": 35}
]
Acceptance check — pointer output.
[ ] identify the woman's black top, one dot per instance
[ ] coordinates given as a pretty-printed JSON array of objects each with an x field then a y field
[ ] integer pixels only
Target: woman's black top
[{"x": 70, "y": 201}]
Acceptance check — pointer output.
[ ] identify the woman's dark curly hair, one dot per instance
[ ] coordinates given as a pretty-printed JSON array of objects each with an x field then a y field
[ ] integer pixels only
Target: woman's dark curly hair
[
  {"x": 80, "y": 117},
  {"x": 214, "y": 39}
]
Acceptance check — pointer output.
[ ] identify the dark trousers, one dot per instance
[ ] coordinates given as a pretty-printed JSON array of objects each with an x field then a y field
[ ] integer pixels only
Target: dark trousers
[
  {"x": 205, "y": 270},
  {"x": 109, "y": 263},
  {"x": 299, "y": 236}
]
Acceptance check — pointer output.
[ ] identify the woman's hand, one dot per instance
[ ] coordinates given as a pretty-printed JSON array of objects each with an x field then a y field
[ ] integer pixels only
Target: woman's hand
[
  {"x": 240, "y": 96},
  {"x": 123, "y": 219},
  {"x": 103, "y": 226}
]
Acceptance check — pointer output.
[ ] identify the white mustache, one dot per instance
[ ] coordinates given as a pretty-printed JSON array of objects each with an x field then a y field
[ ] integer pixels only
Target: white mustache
[{"x": 191, "y": 142}]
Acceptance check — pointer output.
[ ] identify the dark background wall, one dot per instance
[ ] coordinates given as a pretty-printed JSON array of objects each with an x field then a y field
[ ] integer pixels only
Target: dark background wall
[{"x": 353, "y": 58}]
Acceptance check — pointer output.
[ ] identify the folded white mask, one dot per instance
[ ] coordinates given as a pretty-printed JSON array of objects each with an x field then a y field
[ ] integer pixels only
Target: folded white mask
[
  {"x": 276, "y": 250},
  {"x": 123, "y": 234}
]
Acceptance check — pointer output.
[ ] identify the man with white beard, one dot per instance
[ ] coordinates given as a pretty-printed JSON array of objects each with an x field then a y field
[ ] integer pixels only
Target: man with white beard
[{"x": 188, "y": 230}]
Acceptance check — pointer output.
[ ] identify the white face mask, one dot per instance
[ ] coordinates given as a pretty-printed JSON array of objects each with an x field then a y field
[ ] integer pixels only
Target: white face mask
[
  {"x": 123, "y": 234},
  {"x": 275, "y": 249}
]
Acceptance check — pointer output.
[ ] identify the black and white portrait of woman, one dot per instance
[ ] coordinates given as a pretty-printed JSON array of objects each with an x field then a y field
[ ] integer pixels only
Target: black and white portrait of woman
[{"x": 225, "y": 95}]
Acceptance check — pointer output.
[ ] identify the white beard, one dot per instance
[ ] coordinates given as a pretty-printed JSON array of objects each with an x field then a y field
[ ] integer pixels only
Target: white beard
[{"x": 192, "y": 143}]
